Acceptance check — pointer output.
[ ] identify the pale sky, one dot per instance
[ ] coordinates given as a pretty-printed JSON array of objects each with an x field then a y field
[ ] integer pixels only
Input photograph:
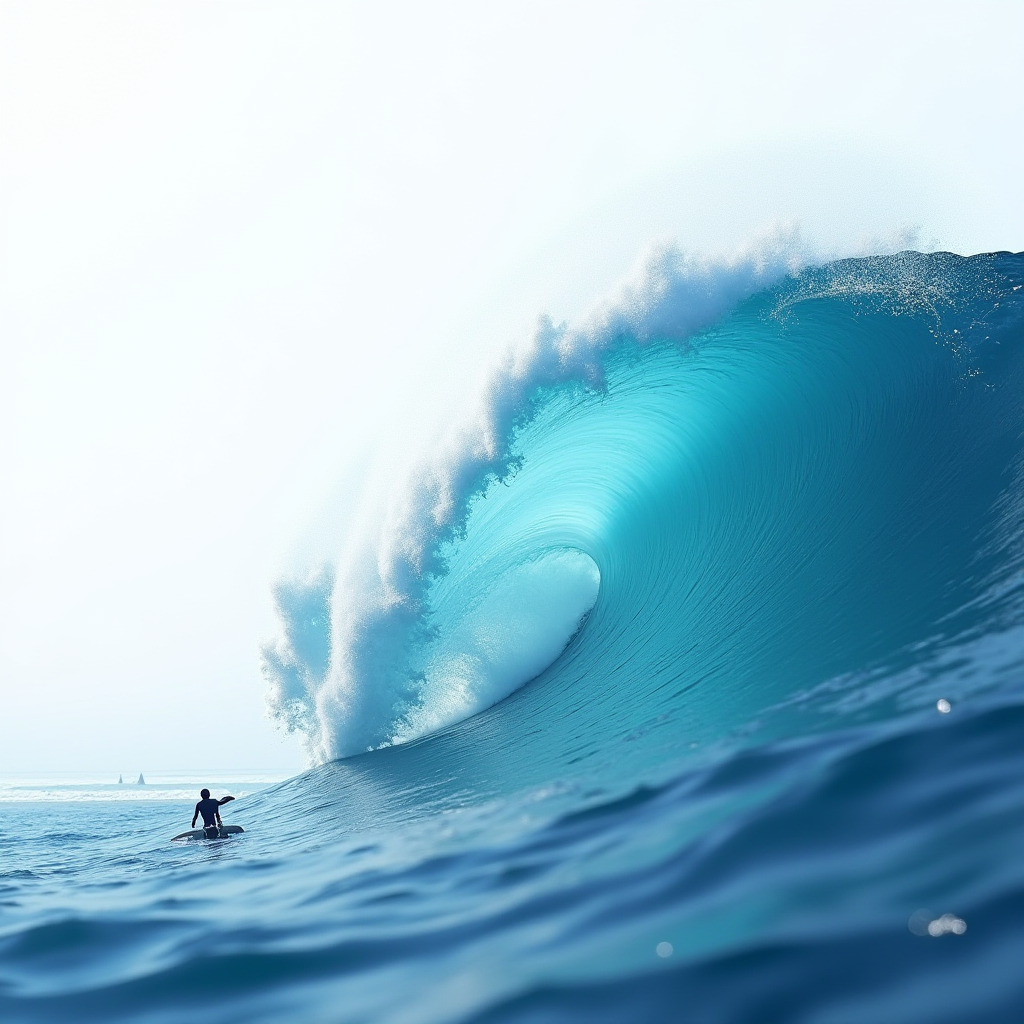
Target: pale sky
[{"x": 246, "y": 244}]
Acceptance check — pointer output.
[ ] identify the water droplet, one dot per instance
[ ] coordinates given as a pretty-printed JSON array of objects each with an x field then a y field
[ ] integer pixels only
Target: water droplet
[{"x": 948, "y": 924}]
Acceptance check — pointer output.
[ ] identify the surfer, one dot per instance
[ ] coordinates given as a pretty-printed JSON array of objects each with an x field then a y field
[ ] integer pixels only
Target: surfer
[{"x": 209, "y": 809}]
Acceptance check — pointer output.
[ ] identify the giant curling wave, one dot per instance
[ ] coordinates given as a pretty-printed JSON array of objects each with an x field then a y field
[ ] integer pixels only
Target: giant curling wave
[{"x": 738, "y": 492}]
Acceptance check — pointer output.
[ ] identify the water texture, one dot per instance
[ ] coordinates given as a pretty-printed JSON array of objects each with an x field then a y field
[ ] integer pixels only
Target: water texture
[{"x": 644, "y": 714}]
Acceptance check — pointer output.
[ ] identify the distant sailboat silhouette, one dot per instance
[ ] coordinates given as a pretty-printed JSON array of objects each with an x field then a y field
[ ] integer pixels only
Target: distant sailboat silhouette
[
  {"x": 141, "y": 781},
  {"x": 120, "y": 780}
]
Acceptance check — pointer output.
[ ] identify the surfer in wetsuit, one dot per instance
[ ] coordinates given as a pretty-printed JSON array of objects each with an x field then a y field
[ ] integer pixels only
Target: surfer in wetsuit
[{"x": 209, "y": 809}]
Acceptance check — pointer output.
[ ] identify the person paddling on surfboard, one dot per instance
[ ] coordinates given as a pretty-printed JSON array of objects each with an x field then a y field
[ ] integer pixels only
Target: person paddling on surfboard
[{"x": 209, "y": 809}]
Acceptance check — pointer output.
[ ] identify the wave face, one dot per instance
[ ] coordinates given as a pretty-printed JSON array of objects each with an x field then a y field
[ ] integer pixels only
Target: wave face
[{"x": 655, "y": 654}]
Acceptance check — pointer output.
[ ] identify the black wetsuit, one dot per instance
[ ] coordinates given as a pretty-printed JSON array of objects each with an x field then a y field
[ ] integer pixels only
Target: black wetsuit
[{"x": 208, "y": 809}]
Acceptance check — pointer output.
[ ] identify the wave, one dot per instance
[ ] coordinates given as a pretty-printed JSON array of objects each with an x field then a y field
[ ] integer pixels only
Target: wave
[
  {"x": 768, "y": 578},
  {"x": 726, "y": 441}
]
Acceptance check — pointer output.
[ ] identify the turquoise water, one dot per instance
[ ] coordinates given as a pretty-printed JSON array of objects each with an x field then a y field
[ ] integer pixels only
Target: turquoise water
[{"x": 655, "y": 711}]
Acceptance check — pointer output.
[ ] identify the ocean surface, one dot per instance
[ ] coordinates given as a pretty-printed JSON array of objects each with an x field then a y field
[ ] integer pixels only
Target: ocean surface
[{"x": 684, "y": 683}]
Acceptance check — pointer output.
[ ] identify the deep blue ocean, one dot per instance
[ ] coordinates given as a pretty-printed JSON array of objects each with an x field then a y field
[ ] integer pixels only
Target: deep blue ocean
[{"x": 687, "y": 687}]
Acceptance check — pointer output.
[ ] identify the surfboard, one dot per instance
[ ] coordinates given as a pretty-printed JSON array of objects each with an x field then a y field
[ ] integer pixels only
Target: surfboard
[{"x": 213, "y": 832}]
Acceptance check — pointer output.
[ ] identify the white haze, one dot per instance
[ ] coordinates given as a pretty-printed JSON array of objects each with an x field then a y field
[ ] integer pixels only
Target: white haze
[{"x": 247, "y": 246}]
